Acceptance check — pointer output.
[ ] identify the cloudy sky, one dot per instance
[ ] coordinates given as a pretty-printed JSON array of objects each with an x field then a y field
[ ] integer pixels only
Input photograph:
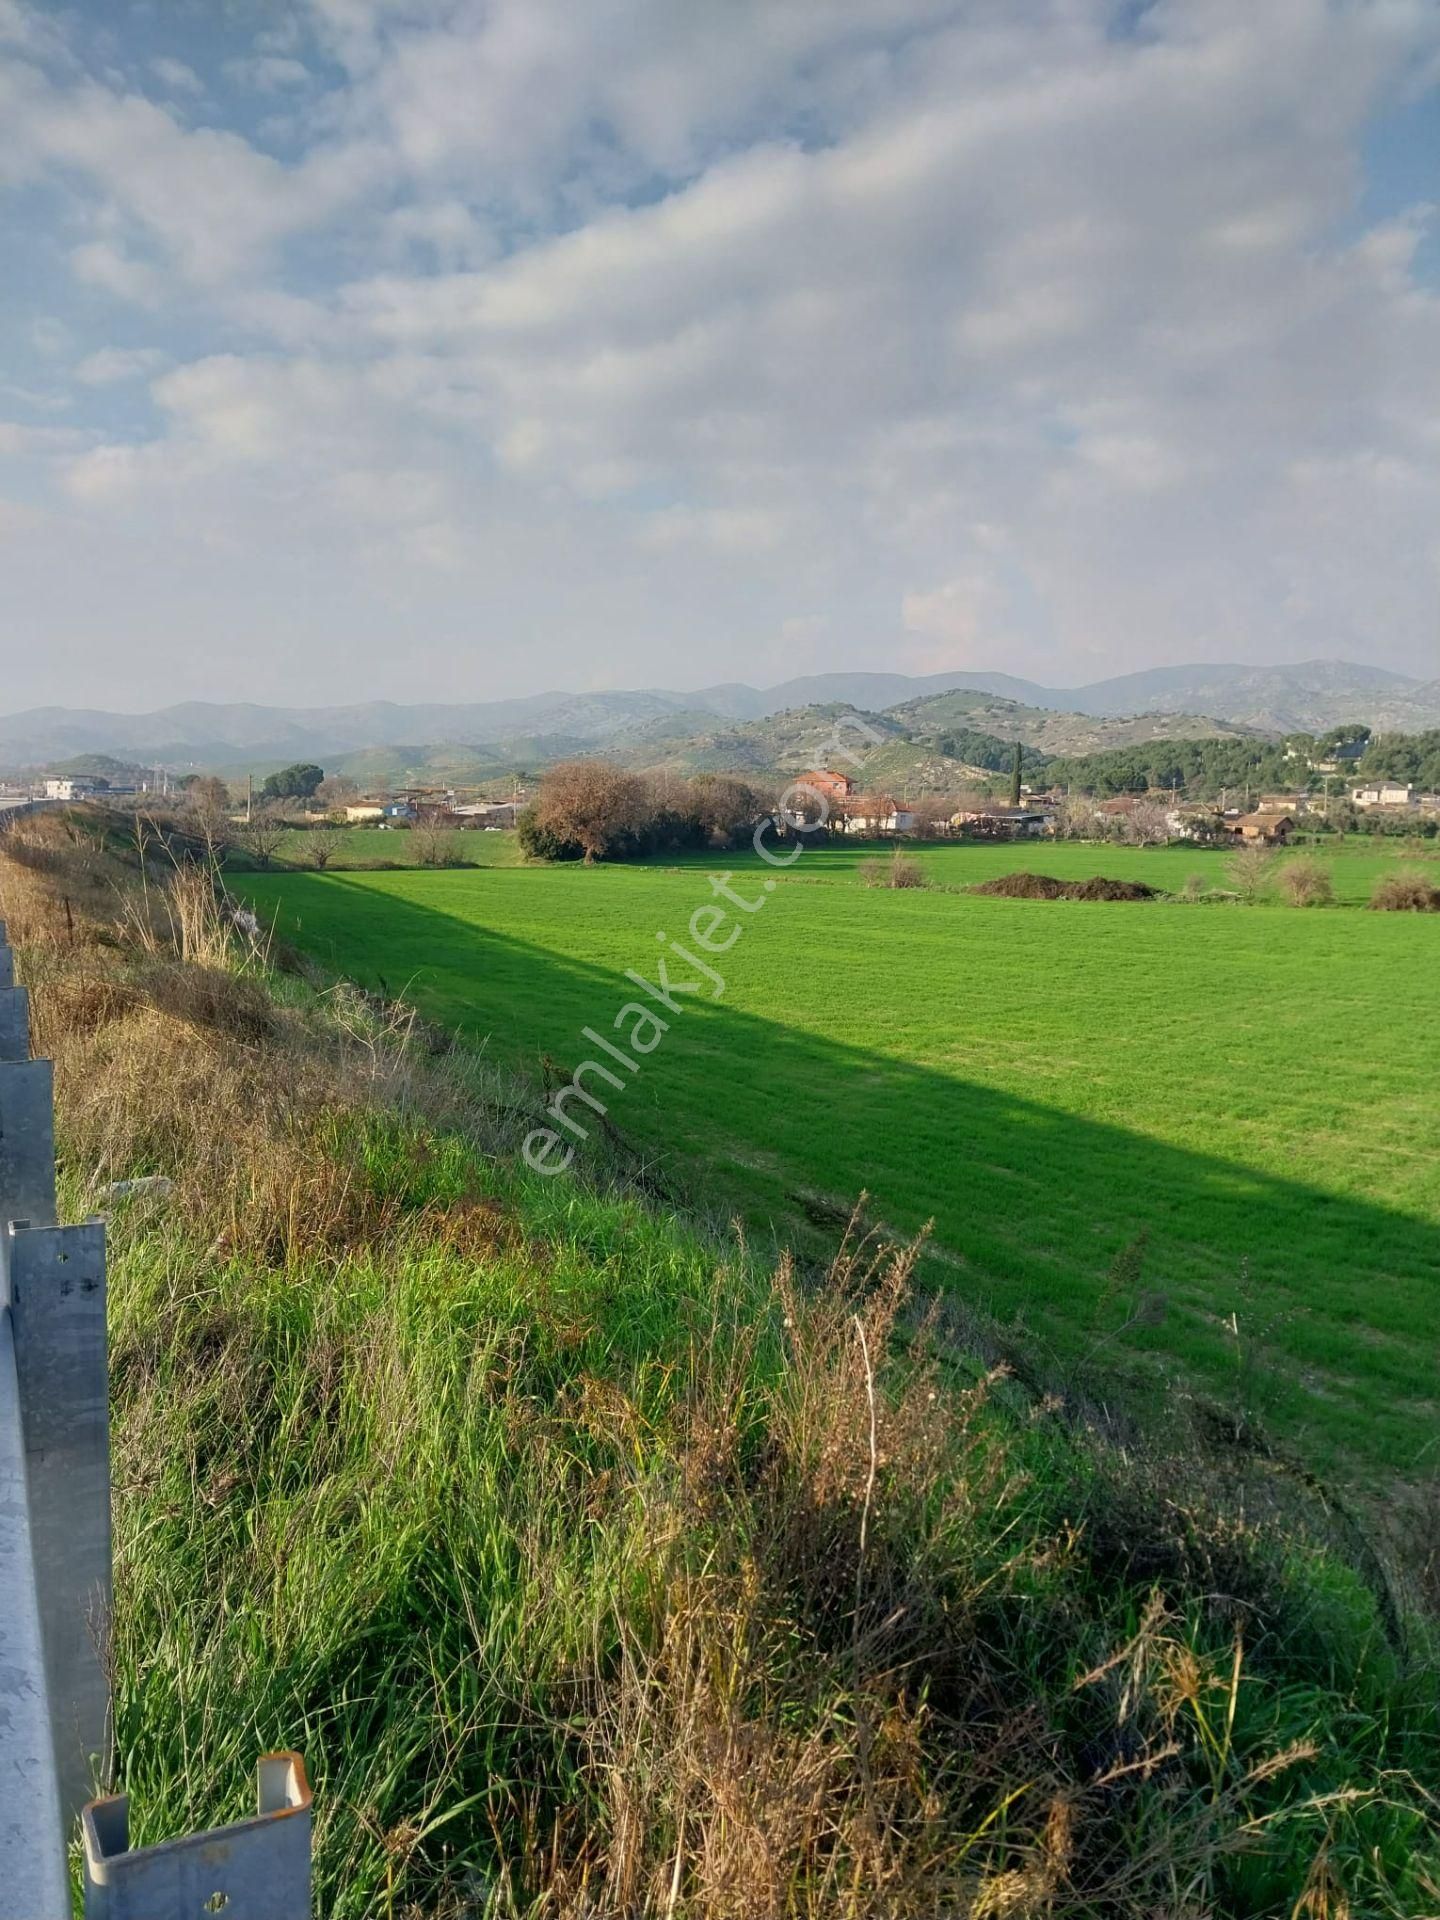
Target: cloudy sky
[{"x": 416, "y": 348}]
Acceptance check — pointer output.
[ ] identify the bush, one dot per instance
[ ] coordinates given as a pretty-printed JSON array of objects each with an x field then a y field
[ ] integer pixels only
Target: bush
[
  {"x": 1249, "y": 868},
  {"x": 1306, "y": 883},
  {"x": 1405, "y": 892},
  {"x": 898, "y": 871}
]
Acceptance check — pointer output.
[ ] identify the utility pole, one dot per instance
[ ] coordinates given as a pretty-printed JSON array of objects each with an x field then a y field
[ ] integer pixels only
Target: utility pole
[{"x": 249, "y": 797}]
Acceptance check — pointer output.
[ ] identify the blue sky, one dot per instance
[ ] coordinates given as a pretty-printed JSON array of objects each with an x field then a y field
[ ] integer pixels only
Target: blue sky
[{"x": 414, "y": 348}]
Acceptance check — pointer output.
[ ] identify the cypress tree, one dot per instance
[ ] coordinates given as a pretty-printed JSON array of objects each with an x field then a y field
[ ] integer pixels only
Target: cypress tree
[{"x": 1015, "y": 776}]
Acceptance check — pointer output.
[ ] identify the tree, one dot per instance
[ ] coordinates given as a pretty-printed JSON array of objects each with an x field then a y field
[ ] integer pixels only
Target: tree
[
  {"x": 725, "y": 808},
  {"x": 208, "y": 800},
  {"x": 1016, "y": 768},
  {"x": 336, "y": 790},
  {"x": 322, "y": 844},
  {"x": 435, "y": 841},
  {"x": 263, "y": 834},
  {"x": 1249, "y": 868},
  {"x": 1148, "y": 823},
  {"x": 1076, "y": 819},
  {"x": 297, "y": 782},
  {"x": 592, "y": 806}
]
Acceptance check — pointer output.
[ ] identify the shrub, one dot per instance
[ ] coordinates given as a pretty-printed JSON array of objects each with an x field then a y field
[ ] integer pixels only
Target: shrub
[
  {"x": 898, "y": 871},
  {"x": 1306, "y": 882},
  {"x": 1249, "y": 868},
  {"x": 1405, "y": 892}
]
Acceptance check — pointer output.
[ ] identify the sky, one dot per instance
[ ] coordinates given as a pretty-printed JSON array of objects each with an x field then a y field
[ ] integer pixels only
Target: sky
[{"x": 419, "y": 349}]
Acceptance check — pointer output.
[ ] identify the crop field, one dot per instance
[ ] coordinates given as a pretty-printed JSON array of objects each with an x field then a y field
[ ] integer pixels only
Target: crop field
[{"x": 1241, "y": 1096}]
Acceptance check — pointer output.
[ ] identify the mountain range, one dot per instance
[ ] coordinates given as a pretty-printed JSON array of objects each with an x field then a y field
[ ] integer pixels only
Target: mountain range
[{"x": 1307, "y": 697}]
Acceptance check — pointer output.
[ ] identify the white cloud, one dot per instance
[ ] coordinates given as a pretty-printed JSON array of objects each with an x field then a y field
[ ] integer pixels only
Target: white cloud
[
  {"x": 269, "y": 73},
  {"x": 176, "y": 75},
  {"x": 110, "y": 365},
  {"x": 98, "y": 263},
  {"x": 978, "y": 321}
]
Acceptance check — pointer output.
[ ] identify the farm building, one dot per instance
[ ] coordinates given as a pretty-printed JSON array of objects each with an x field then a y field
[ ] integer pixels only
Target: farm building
[
  {"x": 488, "y": 813},
  {"x": 1272, "y": 829},
  {"x": 70, "y": 786},
  {"x": 1002, "y": 823},
  {"x": 860, "y": 817},
  {"x": 363, "y": 811}
]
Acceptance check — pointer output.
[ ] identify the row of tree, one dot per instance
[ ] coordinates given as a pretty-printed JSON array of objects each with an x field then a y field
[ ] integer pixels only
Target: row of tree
[
  {"x": 589, "y": 810},
  {"x": 1205, "y": 769}
]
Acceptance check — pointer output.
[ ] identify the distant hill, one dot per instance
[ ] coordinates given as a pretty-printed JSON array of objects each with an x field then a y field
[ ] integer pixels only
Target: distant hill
[
  {"x": 1301, "y": 699},
  {"x": 1052, "y": 732},
  {"x": 243, "y": 737}
]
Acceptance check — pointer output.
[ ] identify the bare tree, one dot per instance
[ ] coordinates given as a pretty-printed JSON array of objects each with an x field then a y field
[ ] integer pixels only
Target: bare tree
[
  {"x": 591, "y": 805},
  {"x": 336, "y": 790},
  {"x": 1148, "y": 823},
  {"x": 1076, "y": 819},
  {"x": 263, "y": 835},
  {"x": 1249, "y": 868},
  {"x": 927, "y": 816},
  {"x": 435, "y": 841},
  {"x": 322, "y": 843},
  {"x": 208, "y": 802}
]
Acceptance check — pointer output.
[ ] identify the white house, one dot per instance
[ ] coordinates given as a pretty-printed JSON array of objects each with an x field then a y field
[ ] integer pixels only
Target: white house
[
  {"x": 1383, "y": 793},
  {"x": 70, "y": 786}
]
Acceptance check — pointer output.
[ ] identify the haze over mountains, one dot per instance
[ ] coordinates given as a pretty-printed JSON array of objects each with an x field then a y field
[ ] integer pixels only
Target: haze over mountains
[{"x": 1302, "y": 698}]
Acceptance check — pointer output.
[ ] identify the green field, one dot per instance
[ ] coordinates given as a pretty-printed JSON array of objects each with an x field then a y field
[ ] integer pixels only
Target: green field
[
  {"x": 1253, "y": 1088},
  {"x": 390, "y": 846}
]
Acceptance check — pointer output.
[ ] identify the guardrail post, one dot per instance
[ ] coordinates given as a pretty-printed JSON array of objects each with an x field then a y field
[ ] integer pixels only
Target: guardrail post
[
  {"x": 259, "y": 1869},
  {"x": 34, "y": 1882},
  {"x": 14, "y": 1023},
  {"x": 27, "y": 1141},
  {"x": 57, "y": 1309}
]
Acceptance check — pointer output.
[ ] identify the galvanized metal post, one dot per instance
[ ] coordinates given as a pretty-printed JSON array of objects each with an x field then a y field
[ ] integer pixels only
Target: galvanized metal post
[
  {"x": 57, "y": 1309},
  {"x": 34, "y": 1883},
  {"x": 256, "y": 1870},
  {"x": 27, "y": 1141},
  {"x": 14, "y": 1023}
]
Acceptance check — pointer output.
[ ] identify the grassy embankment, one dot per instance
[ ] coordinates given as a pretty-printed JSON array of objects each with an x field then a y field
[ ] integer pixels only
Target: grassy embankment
[
  {"x": 1251, "y": 1087},
  {"x": 599, "y": 1569}
]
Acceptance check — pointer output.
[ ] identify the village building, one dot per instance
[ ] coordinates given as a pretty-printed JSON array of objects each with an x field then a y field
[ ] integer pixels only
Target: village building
[
  {"x": 1267, "y": 829},
  {"x": 488, "y": 813},
  {"x": 1003, "y": 823},
  {"x": 1384, "y": 793},
  {"x": 70, "y": 786},
  {"x": 834, "y": 787}
]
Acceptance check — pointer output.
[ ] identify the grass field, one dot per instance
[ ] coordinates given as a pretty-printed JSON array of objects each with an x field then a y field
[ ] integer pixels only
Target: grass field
[
  {"x": 1252, "y": 1088},
  {"x": 375, "y": 846},
  {"x": 598, "y": 1567}
]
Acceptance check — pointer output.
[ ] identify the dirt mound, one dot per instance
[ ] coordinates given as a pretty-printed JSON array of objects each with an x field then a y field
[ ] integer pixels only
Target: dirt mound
[
  {"x": 1041, "y": 886},
  {"x": 1099, "y": 888},
  {"x": 1024, "y": 886}
]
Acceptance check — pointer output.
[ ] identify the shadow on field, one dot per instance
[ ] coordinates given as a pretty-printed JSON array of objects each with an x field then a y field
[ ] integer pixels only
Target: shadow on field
[{"x": 1335, "y": 1348}]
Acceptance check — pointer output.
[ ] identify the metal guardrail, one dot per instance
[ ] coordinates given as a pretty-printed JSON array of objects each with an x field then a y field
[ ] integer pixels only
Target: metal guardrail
[{"x": 55, "y": 1577}]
